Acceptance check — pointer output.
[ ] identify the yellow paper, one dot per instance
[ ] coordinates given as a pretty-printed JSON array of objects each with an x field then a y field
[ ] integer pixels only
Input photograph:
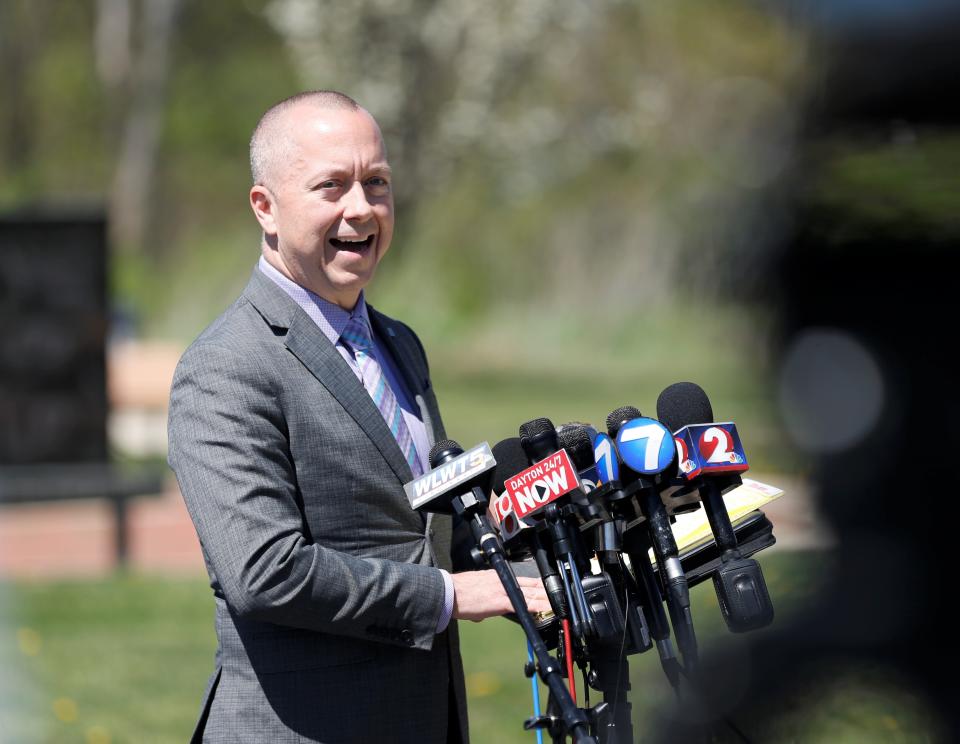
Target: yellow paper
[{"x": 693, "y": 528}]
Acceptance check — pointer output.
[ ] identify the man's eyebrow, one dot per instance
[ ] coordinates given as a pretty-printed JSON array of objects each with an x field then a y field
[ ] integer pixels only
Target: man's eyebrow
[{"x": 331, "y": 170}]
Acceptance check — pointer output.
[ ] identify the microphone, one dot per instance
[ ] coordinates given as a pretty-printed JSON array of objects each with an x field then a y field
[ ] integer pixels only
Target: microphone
[
  {"x": 614, "y": 598},
  {"x": 520, "y": 540},
  {"x": 538, "y": 438},
  {"x": 711, "y": 459},
  {"x": 550, "y": 477},
  {"x": 576, "y": 439},
  {"x": 460, "y": 482},
  {"x": 607, "y": 544},
  {"x": 595, "y": 520},
  {"x": 550, "y": 461},
  {"x": 647, "y": 455},
  {"x": 511, "y": 459},
  {"x": 455, "y": 473},
  {"x": 636, "y": 544}
]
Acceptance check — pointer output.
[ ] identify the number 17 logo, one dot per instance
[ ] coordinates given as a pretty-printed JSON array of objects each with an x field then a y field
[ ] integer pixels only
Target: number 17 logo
[{"x": 606, "y": 458}]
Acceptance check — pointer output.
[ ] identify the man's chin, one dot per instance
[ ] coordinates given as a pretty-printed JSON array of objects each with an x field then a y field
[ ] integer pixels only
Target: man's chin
[
  {"x": 346, "y": 287},
  {"x": 352, "y": 269}
]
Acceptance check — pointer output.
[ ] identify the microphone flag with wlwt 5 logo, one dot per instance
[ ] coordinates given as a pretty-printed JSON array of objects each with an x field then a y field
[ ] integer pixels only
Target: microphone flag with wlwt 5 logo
[
  {"x": 459, "y": 484},
  {"x": 434, "y": 490}
]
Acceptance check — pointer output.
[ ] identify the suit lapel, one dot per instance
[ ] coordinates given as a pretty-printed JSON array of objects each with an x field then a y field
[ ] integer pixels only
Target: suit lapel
[
  {"x": 318, "y": 355},
  {"x": 323, "y": 361}
]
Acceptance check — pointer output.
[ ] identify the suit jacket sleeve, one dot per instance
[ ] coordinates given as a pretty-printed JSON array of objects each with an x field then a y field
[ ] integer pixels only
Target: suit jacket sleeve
[{"x": 229, "y": 448}]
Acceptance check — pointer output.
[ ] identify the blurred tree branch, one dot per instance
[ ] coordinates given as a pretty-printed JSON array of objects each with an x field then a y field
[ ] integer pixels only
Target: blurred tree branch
[
  {"x": 620, "y": 120},
  {"x": 440, "y": 75},
  {"x": 137, "y": 77},
  {"x": 22, "y": 45}
]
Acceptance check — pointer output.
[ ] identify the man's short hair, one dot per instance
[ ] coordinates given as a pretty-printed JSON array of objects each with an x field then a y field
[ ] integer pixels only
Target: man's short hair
[{"x": 270, "y": 137}]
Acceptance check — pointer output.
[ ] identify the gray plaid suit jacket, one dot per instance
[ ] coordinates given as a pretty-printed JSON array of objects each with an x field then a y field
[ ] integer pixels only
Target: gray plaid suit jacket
[{"x": 324, "y": 580}]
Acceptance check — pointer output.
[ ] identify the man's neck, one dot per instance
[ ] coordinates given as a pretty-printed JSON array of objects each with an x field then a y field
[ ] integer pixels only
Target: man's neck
[{"x": 273, "y": 258}]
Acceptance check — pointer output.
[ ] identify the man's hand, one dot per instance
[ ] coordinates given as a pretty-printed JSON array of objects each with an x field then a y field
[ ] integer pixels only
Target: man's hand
[{"x": 479, "y": 594}]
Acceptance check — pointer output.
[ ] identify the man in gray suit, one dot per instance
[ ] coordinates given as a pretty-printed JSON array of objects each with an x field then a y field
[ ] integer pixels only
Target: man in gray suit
[{"x": 295, "y": 420}]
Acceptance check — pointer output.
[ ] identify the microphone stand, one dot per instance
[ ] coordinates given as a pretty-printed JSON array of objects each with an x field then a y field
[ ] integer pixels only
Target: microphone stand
[
  {"x": 636, "y": 543},
  {"x": 571, "y": 721},
  {"x": 671, "y": 571},
  {"x": 608, "y": 621},
  {"x": 563, "y": 550},
  {"x": 612, "y": 678},
  {"x": 610, "y": 671}
]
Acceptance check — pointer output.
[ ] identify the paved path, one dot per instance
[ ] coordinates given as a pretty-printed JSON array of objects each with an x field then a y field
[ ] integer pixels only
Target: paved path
[{"x": 75, "y": 538}]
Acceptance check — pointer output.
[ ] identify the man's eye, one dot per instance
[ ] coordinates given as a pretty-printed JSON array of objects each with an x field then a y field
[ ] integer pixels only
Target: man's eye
[
  {"x": 328, "y": 185},
  {"x": 378, "y": 182}
]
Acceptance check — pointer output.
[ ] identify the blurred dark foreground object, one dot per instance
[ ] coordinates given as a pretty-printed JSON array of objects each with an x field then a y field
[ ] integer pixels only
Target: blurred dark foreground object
[
  {"x": 53, "y": 393},
  {"x": 865, "y": 291}
]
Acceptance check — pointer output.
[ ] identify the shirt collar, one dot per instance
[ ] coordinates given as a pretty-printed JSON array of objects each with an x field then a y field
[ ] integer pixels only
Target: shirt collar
[{"x": 329, "y": 317}]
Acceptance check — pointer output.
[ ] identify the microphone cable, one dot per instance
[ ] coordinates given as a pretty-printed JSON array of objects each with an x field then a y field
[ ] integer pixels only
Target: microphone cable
[
  {"x": 568, "y": 653},
  {"x": 536, "y": 690}
]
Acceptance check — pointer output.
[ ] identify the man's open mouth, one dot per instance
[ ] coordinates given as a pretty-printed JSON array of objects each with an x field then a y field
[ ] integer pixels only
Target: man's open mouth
[{"x": 352, "y": 244}]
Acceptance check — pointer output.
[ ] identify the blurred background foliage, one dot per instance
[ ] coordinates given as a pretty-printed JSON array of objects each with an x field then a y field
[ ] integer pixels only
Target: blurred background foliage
[
  {"x": 566, "y": 173},
  {"x": 545, "y": 150}
]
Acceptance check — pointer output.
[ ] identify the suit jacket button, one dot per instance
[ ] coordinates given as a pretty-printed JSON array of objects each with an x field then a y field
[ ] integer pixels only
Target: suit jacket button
[
  {"x": 406, "y": 636},
  {"x": 433, "y": 533}
]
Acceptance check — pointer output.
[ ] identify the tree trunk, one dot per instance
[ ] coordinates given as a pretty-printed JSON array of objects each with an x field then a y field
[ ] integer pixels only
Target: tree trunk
[
  {"x": 21, "y": 45},
  {"x": 130, "y": 200}
]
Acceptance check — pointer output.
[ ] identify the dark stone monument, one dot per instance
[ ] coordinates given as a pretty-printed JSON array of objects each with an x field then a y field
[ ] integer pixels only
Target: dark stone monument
[
  {"x": 53, "y": 326},
  {"x": 53, "y": 382}
]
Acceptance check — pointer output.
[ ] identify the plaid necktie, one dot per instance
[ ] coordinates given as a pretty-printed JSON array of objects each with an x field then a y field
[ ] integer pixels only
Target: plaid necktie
[{"x": 358, "y": 339}]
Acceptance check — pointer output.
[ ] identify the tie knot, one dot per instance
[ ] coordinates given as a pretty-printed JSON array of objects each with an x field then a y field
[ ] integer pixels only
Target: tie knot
[{"x": 357, "y": 334}]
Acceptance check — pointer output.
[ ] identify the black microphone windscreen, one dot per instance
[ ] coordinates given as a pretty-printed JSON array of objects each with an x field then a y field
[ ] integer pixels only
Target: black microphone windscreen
[
  {"x": 442, "y": 447},
  {"x": 575, "y": 439},
  {"x": 682, "y": 404},
  {"x": 511, "y": 459},
  {"x": 619, "y": 417},
  {"x": 535, "y": 428}
]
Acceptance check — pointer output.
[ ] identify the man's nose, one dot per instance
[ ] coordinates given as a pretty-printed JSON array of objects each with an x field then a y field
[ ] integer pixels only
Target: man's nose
[{"x": 355, "y": 203}]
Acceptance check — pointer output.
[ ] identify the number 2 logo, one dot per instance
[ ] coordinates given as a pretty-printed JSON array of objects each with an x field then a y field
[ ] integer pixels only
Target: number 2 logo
[{"x": 716, "y": 445}]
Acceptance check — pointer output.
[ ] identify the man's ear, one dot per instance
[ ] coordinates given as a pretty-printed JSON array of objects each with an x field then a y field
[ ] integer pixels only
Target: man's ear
[{"x": 262, "y": 203}]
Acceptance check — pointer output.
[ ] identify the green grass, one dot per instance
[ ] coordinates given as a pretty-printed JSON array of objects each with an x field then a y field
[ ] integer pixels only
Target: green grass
[
  {"x": 496, "y": 376},
  {"x": 125, "y": 659},
  {"x": 122, "y": 659}
]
